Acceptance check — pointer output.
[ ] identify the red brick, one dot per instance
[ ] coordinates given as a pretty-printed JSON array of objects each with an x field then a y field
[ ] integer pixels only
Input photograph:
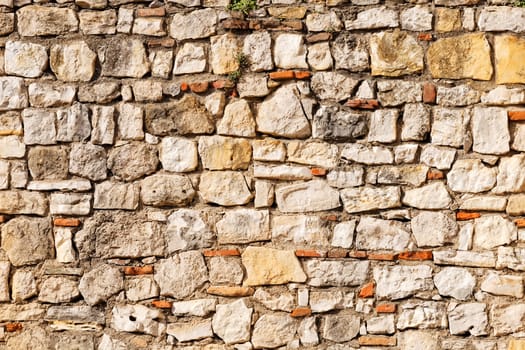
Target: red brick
[
  {"x": 282, "y": 75},
  {"x": 381, "y": 256},
  {"x": 434, "y": 174},
  {"x": 301, "y": 75},
  {"x": 13, "y": 327},
  {"x": 162, "y": 304},
  {"x": 429, "y": 93},
  {"x": 230, "y": 291},
  {"x": 234, "y": 93},
  {"x": 318, "y": 171},
  {"x": 417, "y": 255},
  {"x": 367, "y": 291},
  {"x": 151, "y": 12},
  {"x": 301, "y": 312},
  {"x": 516, "y": 115},
  {"x": 337, "y": 253},
  {"x": 222, "y": 252},
  {"x": 199, "y": 87},
  {"x": 425, "y": 37},
  {"x": 464, "y": 215},
  {"x": 138, "y": 270},
  {"x": 386, "y": 308},
  {"x": 314, "y": 38},
  {"x": 357, "y": 254},
  {"x": 222, "y": 84},
  {"x": 363, "y": 104},
  {"x": 234, "y": 23},
  {"x": 167, "y": 43},
  {"x": 184, "y": 86},
  {"x": 377, "y": 340},
  {"x": 330, "y": 217},
  {"x": 66, "y": 222},
  {"x": 2, "y": 219},
  {"x": 520, "y": 222},
  {"x": 309, "y": 253}
]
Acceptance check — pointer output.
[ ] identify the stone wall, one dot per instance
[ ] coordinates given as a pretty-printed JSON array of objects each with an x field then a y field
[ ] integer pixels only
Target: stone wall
[{"x": 326, "y": 175}]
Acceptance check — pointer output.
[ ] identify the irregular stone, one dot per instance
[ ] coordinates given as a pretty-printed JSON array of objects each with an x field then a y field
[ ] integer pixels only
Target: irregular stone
[
  {"x": 310, "y": 196},
  {"x": 224, "y": 51},
  {"x": 275, "y": 301},
  {"x": 468, "y": 318},
  {"x": 194, "y": 25},
  {"x": 432, "y": 229},
  {"x": 232, "y": 322},
  {"x": 448, "y": 127},
  {"x": 137, "y": 318},
  {"x": 509, "y": 179},
  {"x": 182, "y": 274},
  {"x": 506, "y": 319},
  {"x": 289, "y": 51},
  {"x": 416, "y": 122},
  {"x": 243, "y": 226},
  {"x": 224, "y": 153},
  {"x": 178, "y": 154},
  {"x": 341, "y": 328},
  {"x": 185, "y": 116},
  {"x": 88, "y": 160},
  {"x": 487, "y": 203},
  {"x": 497, "y": 284},
  {"x": 383, "y": 126},
  {"x": 313, "y": 153},
  {"x": 460, "y": 57},
  {"x": 308, "y": 230},
  {"x": 398, "y": 282},
  {"x": 432, "y": 196},
  {"x": 5, "y": 267},
  {"x": 76, "y": 185},
  {"x": 381, "y": 325},
  {"x": 413, "y": 340},
  {"x": 515, "y": 205},
  {"x": 343, "y": 234},
  {"x": 333, "y": 123},
  {"x": 346, "y": 177},
  {"x": 484, "y": 228},
  {"x": 329, "y": 300},
  {"x": 377, "y": 234},
  {"x": 75, "y": 314},
  {"x": 65, "y": 253},
  {"x": 414, "y": 175},
  {"x": 125, "y": 20},
  {"x": 257, "y": 49},
  {"x": 508, "y": 52},
  {"x": 224, "y": 270},
  {"x": 271, "y": 331},
  {"x": 92, "y": 4},
  {"x": 100, "y": 283},
  {"x": 394, "y": 54},
  {"x": 130, "y": 122},
  {"x": 282, "y": 172},
  {"x": 397, "y": 92},
  {"x": 350, "y": 52},
  {"x": 438, "y": 157},
  {"x": 30, "y": 338},
  {"x": 132, "y": 160},
  {"x": 166, "y": 190},
  {"x": 461, "y": 95},
  {"x": 103, "y": 125},
  {"x": 253, "y": 85},
  {"x": 39, "y": 127},
  {"x": 501, "y": 18},
  {"x": 307, "y": 332},
  {"x": 58, "y": 290},
  {"x": 27, "y": 241},
  {"x": 423, "y": 314},
  {"x": 370, "y": 198},
  {"x": 361, "y": 153},
  {"x": 490, "y": 131},
  {"x": 73, "y": 123},
  {"x": 195, "y": 307},
  {"x": 417, "y": 18},
  {"x": 464, "y": 258},
  {"x": 7, "y": 22},
  {"x": 116, "y": 195},
  {"x": 215, "y": 103},
  {"x": 23, "y": 285},
  {"x": 69, "y": 204},
  {"x": 27, "y": 312},
  {"x": 501, "y": 95},
  {"x": 374, "y": 18},
  {"x": 23, "y": 202},
  {"x": 25, "y": 59},
  {"x": 123, "y": 58},
  {"x": 226, "y": 188},
  {"x": 323, "y": 273},
  {"x": 103, "y": 92},
  {"x": 264, "y": 194},
  {"x": 37, "y": 20},
  {"x": 187, "y": 230},
  {"x": 153, "y": 26},
  {"x": 455, "y": 282},
  {"x": 48, "y": 162},
  {"x": 320, "y": 22},
  {"x": 161, "y": 60},
  {"x": 98, "y": 22},
  {"x": 284, "y": 267},
  {"x": 72, "y": 61},
  {"x": 319, "y": 57},
  {"x": 470, "y": 175},
  {"x": 332, "y": 85},
  {"x": 448, "y": 20},
  {"x": 237, "y": 120},
  {"x": 282, "y": 114},
  {"x": 188, "y": 331}
]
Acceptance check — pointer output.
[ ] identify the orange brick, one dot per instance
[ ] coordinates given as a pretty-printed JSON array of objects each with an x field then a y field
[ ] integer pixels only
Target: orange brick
[
  {"x": 13, "y": 327},
  {"x": 234, "y": 93},
  {"x": 184, "y": 86},
  {"x": 386, "y": 308},
  {"x": 138, "y": 270},
  {"x": 425, "y": 37},
  {"x": 429, "y": 93},
  {"x": 463, "y": 215},
  {"x": 417, "y": 255},
  {"x": 222, "y": 252},
  {"x": 151, "y": 12},
  {"x": 66, "y": 222},
  {"x": 520, "y": 222},
  {"x": 318, "y": 171},
  {"x": 434, "y": 174},
  {"x": 358, "y": 254},
  {"x": 162, "y": 304},
  {"x": 199, "y": 87},
  {"x": 222, "y": 84},
  {"x": 314, "y": 38},
  {"x": 301, "y": 312},
  {"x": 376, "y": 340},
  {"x": 382, "y": 256},
  {"x": 363, "y": 104},
  {"x": 230, "y": 291},
  {"x": 2, "y": 219},
  {"x": 167, "y": 43},
  {"x": 300, "y": 74},
  {"x": 516, "y": 115},
  {"x": 309, "y": 253},
  {"x": 282, "y": 75},
  {"x": 367, "y": 291},
  {"x": 337, "y": 253}
]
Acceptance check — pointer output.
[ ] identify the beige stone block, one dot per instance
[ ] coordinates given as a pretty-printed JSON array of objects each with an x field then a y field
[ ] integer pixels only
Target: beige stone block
[{"x": 509, "y": 53}]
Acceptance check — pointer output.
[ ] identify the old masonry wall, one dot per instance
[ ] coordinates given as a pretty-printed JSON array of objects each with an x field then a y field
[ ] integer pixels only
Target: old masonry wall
[{"x": 200, "y": 174}]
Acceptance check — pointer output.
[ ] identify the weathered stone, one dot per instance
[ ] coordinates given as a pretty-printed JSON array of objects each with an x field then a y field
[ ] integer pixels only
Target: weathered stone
[
  {"x": 460, "y": 57},
  {"x": 180, "y": 275},
  {"x": 501, "y": 18},
  {"x": 433, "y": 229},
  {"x": 414, "y": 175},
  {"x": 319, "y": 57},
  {"x": 243, "y": 226},
  {"x": 395, "y": 54},
  {"x": 224, "y": 153},
  {"x": 486, "y": 226},
  {"x": 308, "y": 230},
  {"x": 188, "y": 331},
  {"x": 367, "y": 154},
  {"x": 461, "y": 95},
  {"x": 438, "y": 157},
  {"x": 336, "y": 273},
  {"x": 153, "y": 26},
  {"x": 509, "y": 179},
  {"x": 73, "y": 61},
  {"x": 76, "y": 185},
  {"x": 25, "y": 59},
  {"x": 129, "y": 122},
  {"x": 333, "y": 123},
  {"x": 253, "y": 85},
  {"x": 88, "y": 160},
  {"x": 178, "y": 154},
  {"x": 125, "y": 19},
  {"x": 490, "y": 131},
  {"x": 23, "y": 285},
  {"x": 194, "y": 25},
  {"x": 224, "y": 270},
  {"x": 137, "y": 318},
  {"x": 27, "y": 241},
  {"x": 73, "y": 123},
  {"x": 69, "y": 204},
  {"x": 27, "y": 312},
  {"x": 346, "y": 177},
  {"x": 232, "y": 322},
  {"x": 75, "y": 314},
  {"x": 310, "y": 196},
  {"x": 508, "y": 53},
  {"x": 397, "y": 92},
  {"x": 275, "y": 301},
  {"x": 506, "y": 318},
  {"x": 281, "y": 172},
  {"x": 225, "y": 188},
  {"x": 133, "y": 160},
  {"x": 501, "y": 95},
  {"x": 257, "y": 49},
  {"x": 23, "y": 202},
  {"x": 195, "y": 307},
  {"x": 320, "y": 22},
  {"x": 417, "y": 18},
  {"x": 65, "y": 253},
  {"x": 161, "y": 62},
  {"x": 98, "y": 22},
  {"x": 147, "y": 91},
  {"x": 343, "y": 234},
  {"x": 289, "y": 51},
  {"x": 424, "y": 314},
  {"x": 374, "y": 18},
  {"x": 264, "y": 194},
  {"x": 381, "y": 325},
  {"x": 215, "y": 103},
  {"x": 282, "y": 114},
  {"x": 329, "y": 300},
  {"x": 350, "y": 52},
  {"x": 464, "y": 258},
  {"x": 166, "y": 190},
  {"x": 224, "y": 51},
  {"x": 7, "y": 22},
  {"x": 284, "y": 267},
  {"x": 100, "y": 283},
  {"x": 141, "y": 288},
  {"x": 448, "y": 128},
  {"x": 92, "y": 4},
  {"x": 370, "y": 198},
  {"x": 103, "y": 119},
  {"x": 447, "y": 20},
  {"x": 433, "y": 196},
  {"x": 341, "y": 328},
  {"x": 37, "y": 20},
  {"x": 58, "y": 290},
  {"x": 4, "y": 280},
  {"x": 455, "y": 282},
  {"x": 413, "y": 340},
  {"x": 468, "y": 318},
  {"x": 470, "y": 175},
  {"x": 237, "y": 120},
  {"x": 116, "y": 195},
  {"x": 313, "y": 153},
  {"x": 333, "y": 85},
  {"x": 488, "y": 203},
  {"x": 39, "y": 127},
  {"x": 271, "y": 331},
  {"x": 398, "y": 282},
  {"x": 187, "y": 230},
  {"x": 103, "y": 92},
  {"x": 377, "y": 234},
  {"x": 497, "y": 284},
  {"x": 383, "y": 126},
  {"x": 30, "y": 338},
  {"x": 124, "y": 58},
  {"x": 48, "y": 162}
]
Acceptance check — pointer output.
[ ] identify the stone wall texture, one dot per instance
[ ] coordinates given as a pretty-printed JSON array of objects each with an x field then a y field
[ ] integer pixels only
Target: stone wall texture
[{"x": 332, "y": 175}]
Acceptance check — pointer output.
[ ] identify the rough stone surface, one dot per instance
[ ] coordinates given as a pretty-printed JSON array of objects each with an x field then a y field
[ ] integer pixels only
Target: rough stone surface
[
  {"x": 73, "y": 61},
  {"x": 377, "y": 234},
  {"x": 394, "y": 54},
  {"x": 271, "y": 331},
  {"x": 100, "y": 283},
  {"x": 132, "y": 161},
  {"x": 399, "y": 282},
  {"x": 309, "y": 196},
  {"x": 336, "y": 273},
  {"x": 243, "y": 226},
  {"x": 166, "y": 190},
  {"x": 284, "y": 267},
  {"x": 232, "y": 322},
  {"x": 455, "y": 282},
  {"x": 225, "y": 188},
  {"x": 432, "y": 229}
]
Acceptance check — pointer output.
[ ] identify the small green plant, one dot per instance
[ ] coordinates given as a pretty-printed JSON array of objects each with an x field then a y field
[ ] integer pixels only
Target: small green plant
[
  {"x": 242, "y": 62},
  {"x": 243, "y": 6}
]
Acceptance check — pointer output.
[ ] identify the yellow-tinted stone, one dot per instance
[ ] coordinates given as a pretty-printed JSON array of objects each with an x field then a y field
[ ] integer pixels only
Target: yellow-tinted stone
[
  {"x": 218, "y": 153},
  {"x": 288, "y": 12},
  {"x": 395, "y": 53},
  {"x": 460, "y": 57},
  {"x": 516, "y": 344},
  {"x": 510, "y": 59},
  {"x": 271, "y": 266},
  {"x": 448, "y": 20}
]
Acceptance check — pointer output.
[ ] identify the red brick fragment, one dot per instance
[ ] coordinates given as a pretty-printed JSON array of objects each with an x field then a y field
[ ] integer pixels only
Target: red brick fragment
[
  {"x": 337, "y": 253},
  {"x": 520, "y": 222},
  {"x": 357, "y": 254},
  {"x": 424, "y": 37},
  {"x": 282, "y": 75},
  {"x": 516, "y": 116},
  {"x": 309, "y": 253},
  {"x": 377, "y": 340},
  {"x": 387, "y": 308},
  {"x": 184, "y": 86},
  {"x": 199, "y": 87},
  {"x": 417, "y": 255},
  {"x": 464, "y": 215},
  {"x": 138, "y": 270},
  {"x": 330, "y": 217},
  {"x": 162, "y": 304},
  {"x": 2, "y": 219},
  {"x": 363, "y": 104},
  {"x": 222, "y": 84},
  {"x": 300, "y": 74},
  {"x": 318, "y": 171},
  {"x": 301, "y": 312},
  {"x": 221, "y": 252},
  {"x": 367, "y": 291},
  {"x": 151, "y": 12},
  {"x": 381, "y": 256},
  {"x": 429, "y": 93},
  {"x": 314, "y": 38},
  {"x": 167, "y": 43},
  {"x": 65, "y": 222},
  {"x": 235, "y": 23},
  {"x": 13, "y": 327},
  {"x": 434, "y": 174}
]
